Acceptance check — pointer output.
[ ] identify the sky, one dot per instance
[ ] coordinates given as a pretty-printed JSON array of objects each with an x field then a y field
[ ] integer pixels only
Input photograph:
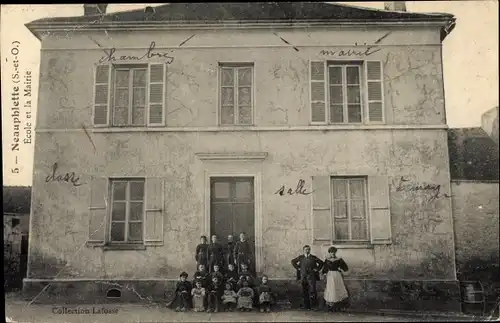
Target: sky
[{"x": 470, "y": 63}]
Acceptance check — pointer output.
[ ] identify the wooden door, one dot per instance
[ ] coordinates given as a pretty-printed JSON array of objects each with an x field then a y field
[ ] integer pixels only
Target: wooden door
[{"x": 232, "y": 209}]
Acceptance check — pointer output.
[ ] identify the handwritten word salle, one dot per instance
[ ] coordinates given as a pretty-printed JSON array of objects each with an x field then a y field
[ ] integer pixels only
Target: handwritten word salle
[
  {"x": 68, "y": 177},
  {"x": 110, "y": 56},
  {"x": 370, "y": 50},
  {"x": 299, "y": 190},
  {"x": 435, "y": 189}
]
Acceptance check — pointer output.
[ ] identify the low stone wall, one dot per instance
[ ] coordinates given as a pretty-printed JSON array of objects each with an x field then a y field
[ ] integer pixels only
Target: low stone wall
[{"x": 365, "y": 294}]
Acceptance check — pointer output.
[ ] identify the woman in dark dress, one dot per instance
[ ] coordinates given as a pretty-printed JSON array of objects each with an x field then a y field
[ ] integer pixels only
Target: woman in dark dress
[
  {"x": 201, "y": 255},
  {"x": 336, "y": 296}
]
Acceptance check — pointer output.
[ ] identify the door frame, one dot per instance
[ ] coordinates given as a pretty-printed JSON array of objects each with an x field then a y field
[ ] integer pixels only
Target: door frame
[{"x": 257, "y": 210}]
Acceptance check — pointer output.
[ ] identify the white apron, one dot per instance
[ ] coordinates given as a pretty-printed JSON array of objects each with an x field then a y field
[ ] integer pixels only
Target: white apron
[{"x": 335, "y": 288}]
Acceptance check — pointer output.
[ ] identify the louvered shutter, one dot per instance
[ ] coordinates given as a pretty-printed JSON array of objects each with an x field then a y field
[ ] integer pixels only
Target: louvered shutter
[
  {"x": 156, "y": 97},
  {"x": 155, "y": 211},
  {"x": 380, "y": 213},
  {"x": 322, "y": 219},
  {"x": 98, "y": 211},
  {"x": 318, "y": 92},
  {"x": 102, "y": 81},
  {"x": 375, "y": 91}
]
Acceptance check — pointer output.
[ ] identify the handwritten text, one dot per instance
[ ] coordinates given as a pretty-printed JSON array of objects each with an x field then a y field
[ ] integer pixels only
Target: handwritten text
[
  {"x": 68, "y": 177},
  {"x": 434, "y": 189},
  {"x": 299, "y": 190},
  {"x": 110, "y": 55}
]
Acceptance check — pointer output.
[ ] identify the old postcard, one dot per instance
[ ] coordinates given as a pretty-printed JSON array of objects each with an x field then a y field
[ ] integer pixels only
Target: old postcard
[{"x": 258, "y": 161}]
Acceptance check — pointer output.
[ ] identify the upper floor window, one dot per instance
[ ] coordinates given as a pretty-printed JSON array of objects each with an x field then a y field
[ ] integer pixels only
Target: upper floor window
[
  {"x": 236, "y": 94},
  {"x": 346, "y": 92},
  {"x": 129, "y": 95}
]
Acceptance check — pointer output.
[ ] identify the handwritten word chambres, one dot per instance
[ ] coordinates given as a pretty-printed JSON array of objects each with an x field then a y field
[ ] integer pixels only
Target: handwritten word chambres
[{"x": 112, "y": 56}]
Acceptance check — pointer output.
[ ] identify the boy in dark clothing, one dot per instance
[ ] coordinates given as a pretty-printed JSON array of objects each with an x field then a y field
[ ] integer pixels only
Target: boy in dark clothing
[
  {"x": 215, "y": 292},
  {"x": 201, "y": 255},
  {"x": 245, "y": 275},
  {"x": 215, "y": 254},
  {"x": 216, "y": 272},
  {"x": 242, "y": 252},
  {"x": 231, "y": 277},
  {"x": 230, "y": 250},
  {"x": 202, "y": 275},
  {"x": 182, "y": 293}
]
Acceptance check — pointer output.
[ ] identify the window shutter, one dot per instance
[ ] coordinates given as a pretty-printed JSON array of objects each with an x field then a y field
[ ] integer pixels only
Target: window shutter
[
  {"x": 322, "y": 225},
  {"x": 101, "y": 95},
  {"x": 156, "y": 97},
  {"x": 318, "y": 92},
  {"x": 380, "y": 215},
  {"x": 155, "y": 211},
  {"x": 375, "y": 91},
  {"x": 98, "y": 211}
]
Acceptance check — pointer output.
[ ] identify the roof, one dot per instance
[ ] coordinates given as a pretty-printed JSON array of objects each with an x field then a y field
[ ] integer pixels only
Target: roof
[
  {"x": 256, "y": 12},
  {"x": 16, "y": 199},
  {"x": 473, "y": 155}
]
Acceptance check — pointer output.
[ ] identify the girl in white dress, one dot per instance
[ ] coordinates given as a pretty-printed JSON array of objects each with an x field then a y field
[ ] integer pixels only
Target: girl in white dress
[{"x": 336, "y": 296}]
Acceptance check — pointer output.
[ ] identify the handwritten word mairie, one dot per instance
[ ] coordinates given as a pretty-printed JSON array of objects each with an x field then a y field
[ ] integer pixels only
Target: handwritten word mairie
[
  {"x": 110, "y": 55},
  {"x": 299, "y": 190},
  {"x": 68, "y": 177}
]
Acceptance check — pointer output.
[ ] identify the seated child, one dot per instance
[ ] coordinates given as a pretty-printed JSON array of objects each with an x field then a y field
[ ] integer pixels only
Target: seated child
[
  {"x": 265, "y": 296},
  {"x": 245, "y": 275},
  {"x": 215, "y": 293},
  {"x": 216, "y": 272},
  {"x": 198, "y": 297},
  {"x": 202, "y": 275},
  {"x": 229, "y": 298},
  {"x": 245, "y": 297},
  {"x": 182, "y": 293},
  {"x": 231, "y": 276}
]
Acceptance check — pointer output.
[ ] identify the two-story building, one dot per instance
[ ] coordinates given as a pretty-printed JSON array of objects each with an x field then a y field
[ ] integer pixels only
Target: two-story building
[{"x": 298, "y": 123}]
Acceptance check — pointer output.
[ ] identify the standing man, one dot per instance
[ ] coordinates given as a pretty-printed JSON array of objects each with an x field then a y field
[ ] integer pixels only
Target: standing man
[
  {"x": 215, "y": 254},
  {"x": 308, "y": 267},
  {"x": 242, "y": 252}
]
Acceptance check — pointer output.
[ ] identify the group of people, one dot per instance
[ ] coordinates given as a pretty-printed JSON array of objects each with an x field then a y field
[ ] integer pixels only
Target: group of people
[{"x": 223, "y": 280}]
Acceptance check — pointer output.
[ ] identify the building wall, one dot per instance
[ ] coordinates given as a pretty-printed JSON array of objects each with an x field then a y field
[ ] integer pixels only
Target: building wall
[
  {"x": 422, "y": 229},
  {"x": 489, "y": 122}
]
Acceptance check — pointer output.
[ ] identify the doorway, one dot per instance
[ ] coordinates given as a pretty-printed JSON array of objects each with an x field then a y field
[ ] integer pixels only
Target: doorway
[{"x": 232, "y": 209}]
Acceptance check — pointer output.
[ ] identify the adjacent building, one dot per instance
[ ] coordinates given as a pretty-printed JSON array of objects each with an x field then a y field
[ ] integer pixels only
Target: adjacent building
[{"x": 298, "y": 123}]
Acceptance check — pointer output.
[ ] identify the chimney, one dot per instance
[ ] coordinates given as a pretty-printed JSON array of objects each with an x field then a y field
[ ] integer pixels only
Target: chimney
[
  {"x": 94, "y": 9},
  {"x": 395, "y": 5}
]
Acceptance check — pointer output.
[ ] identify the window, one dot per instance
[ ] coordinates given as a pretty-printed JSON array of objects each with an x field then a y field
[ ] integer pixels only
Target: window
[
  {"x": 346, "y": 92},
  {"x": 349, "y": 209},
  {"x": 129, "y": 95},
  {"x": 236, "y": 94},
  {"x": 127, "y": 211}
]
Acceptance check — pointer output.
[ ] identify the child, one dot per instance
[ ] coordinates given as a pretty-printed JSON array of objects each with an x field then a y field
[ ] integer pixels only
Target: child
[
  {"x": 245, "y": 297},
  {"x": 231, "y": 276},
  {"x": 201, "y": 255},
  {"x": 182, "y": 293},
  {"x": 216, "y": 272},
  {"x": 214, "y": 295},
  {"x": 229, "y": 298},
  {"x": 245, "y": 275},
  {"x": 201, "y": 275},
  {"x": 198, "y": 297},
  {"x": 215, "y": 253},
  {"x": 242, "y": 251},
  {"x": 230, "y": 250},
  {"x": 264, "y": 292}
]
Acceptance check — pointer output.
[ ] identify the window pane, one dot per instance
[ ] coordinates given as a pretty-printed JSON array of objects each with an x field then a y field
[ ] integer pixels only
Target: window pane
[
  {"x": 353, "y": 94},
  {"x": 341, "y": 229},
  {"x": 336, "y": 95},
  {"x": 245, "y": 115},
  {"x": 120, "y": 115},
  {"x": 244, "y": 190},
  {"x": 137, "y": 190},
  {"x": 139, "y": 95},
  {"x": 221, "y": 190},
  {"x": 135, "y": 231},
  {"x": 121, "y": 97},
  {"x": 227, "y": 115},
  {"x": 336, "y": 113},
  {"x": 139, "y": 77},
  {"x": 118, "y": 212},
  {"x": 352, "y": 75},
  {"x": 118, "y": 231},
  {"x": 340, "y": 189},
  {"x": 138, "y": 116},
  {"x": 354, "y": 113},
  {"x": 357, "y": 209},
  {"x": 136, "y": 211},
  {"x": 340, "y": 209},
  {"x": 119, "y": 189},
  {"x": 244, "y": 76},
  {"x": 244, "y": 96},
  {"x": 227, "y": 75},
  {"x": 357, "y": 188},
  {"x": 359, "y": 230},
  {"x": 121, "y": 78},
  {"x": 227, "y": 96},
  {"x": 335, "y": 75}
]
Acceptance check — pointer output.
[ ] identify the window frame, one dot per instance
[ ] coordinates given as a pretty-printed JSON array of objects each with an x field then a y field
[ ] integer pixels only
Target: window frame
[
  {"x": 235, "y": 66},
  {"x": 361, "y": 65},
  {"x": 366, "y": 210},
  {"x": 127, "y": 220}
]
